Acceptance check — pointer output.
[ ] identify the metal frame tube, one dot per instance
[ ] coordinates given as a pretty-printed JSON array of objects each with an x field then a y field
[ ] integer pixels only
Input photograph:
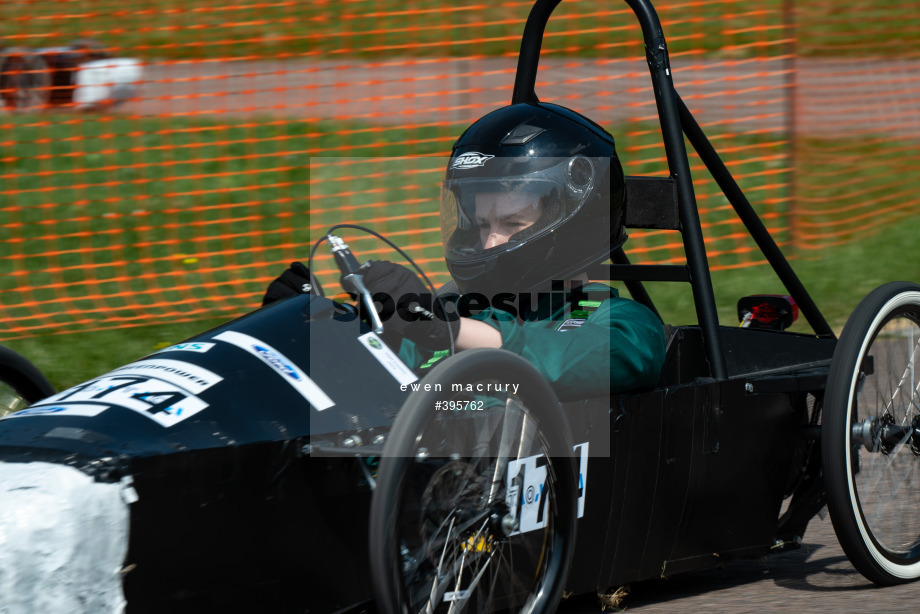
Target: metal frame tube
[
  {"x": 675, "y": 120},
  {"x": 666, "y": 99},
  {"x": 751, "y": 221},
  {"x": 529, "y": 58}
]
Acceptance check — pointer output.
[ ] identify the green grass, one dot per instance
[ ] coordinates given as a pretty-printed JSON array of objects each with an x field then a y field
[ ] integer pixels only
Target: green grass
[
  {"x": 101, "y": 216},
  {"x": 296, "y": 29},
  {"x": 365, "y": 28},
  {"x": 115, "y": 207},
  {"x": 887, "y": 28},
  {"x": 70, "y": 358},
  {"x": 837, "y": 280}
]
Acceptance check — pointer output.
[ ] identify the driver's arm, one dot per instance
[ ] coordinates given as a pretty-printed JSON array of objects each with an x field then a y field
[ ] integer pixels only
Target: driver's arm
[
  {"x": 620, "y": 344},
  {"x": 476, "y": 334},
  {"x": 620, "y": 347}
]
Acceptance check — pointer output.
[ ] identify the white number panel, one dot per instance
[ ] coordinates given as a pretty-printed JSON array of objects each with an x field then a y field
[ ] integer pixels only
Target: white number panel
[
  {"x": 159, "y": 400},
  {"x": 527, "y": 494}
]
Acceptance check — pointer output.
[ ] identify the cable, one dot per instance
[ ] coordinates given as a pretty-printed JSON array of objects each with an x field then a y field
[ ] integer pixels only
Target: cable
[{"x": 405, "y": 256}]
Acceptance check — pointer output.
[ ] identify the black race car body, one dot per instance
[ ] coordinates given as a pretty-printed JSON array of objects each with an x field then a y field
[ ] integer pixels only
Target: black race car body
[
  {"x": 251, "y": 452},
  {"x": 215, "y": 434}
]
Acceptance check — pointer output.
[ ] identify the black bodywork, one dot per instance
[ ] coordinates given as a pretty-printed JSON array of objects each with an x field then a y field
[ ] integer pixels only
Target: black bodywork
[
  {"x": 261, "y": 496},
  {"x": 230, "y": 504}
]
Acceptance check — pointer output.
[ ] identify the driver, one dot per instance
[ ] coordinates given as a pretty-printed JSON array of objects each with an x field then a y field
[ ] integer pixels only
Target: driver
[{"x": 533, "y": 197}]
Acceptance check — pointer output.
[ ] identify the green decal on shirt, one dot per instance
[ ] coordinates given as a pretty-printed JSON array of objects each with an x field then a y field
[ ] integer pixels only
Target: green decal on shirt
[{"x": 438, "y": 355}]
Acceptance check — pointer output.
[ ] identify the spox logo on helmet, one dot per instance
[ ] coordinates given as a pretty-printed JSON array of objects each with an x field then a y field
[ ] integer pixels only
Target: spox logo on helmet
[{"x": 471, "y": 159}]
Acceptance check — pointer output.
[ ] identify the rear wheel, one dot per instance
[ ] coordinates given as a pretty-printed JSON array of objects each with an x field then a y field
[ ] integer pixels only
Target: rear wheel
[
  {"x": 25, "y": 80},
  {"x": 475, "y": 506},
  {"x": 871, "y": 435}
]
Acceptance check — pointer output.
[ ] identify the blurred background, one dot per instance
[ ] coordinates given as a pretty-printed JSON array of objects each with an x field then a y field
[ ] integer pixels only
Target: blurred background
[{"x": 162, "y": 161}]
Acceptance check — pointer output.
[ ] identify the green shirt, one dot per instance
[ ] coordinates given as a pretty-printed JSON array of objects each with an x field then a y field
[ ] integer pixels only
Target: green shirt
[{"x": 605, "y": 345}]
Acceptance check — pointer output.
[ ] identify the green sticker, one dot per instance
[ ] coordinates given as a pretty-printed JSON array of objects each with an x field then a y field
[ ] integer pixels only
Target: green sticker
[{"x": 438, "y": 355}]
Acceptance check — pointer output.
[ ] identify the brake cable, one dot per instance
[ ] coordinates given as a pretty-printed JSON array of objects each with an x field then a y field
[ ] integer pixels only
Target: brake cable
[{"x": 326, "y": 237}]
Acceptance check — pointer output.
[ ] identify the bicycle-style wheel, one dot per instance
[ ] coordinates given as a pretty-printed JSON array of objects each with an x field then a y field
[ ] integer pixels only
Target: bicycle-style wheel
[
  {"x": 21, "y": 383},
  {"x": 475, "y": 504},
  {"x": 871, "y": 435},
  {"x": 25, "y": 80}
]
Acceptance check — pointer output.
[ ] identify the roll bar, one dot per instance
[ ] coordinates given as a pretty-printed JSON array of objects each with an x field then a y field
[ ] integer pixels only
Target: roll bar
[{"x": 676, "y": 120}]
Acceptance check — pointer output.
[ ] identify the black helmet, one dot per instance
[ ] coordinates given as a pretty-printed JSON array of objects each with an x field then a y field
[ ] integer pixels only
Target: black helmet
[{"x": 564, "y": 174}]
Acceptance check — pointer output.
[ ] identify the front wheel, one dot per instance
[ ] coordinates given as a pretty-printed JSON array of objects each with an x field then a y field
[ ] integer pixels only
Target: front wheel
[
  {"x": 21, "y": 383},
  {"x": 871, "y": 435},
  {"x": 475, "y": 505}
]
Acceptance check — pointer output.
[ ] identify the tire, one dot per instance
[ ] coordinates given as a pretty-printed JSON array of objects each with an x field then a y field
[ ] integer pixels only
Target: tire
[
  {"x": 91, "y": 48},
  {"x": 871, "y": 435},
  {"x": 21, "y": 383},
  {"x": 455, "y": 496},
  {"x": 25, "y": 80}
]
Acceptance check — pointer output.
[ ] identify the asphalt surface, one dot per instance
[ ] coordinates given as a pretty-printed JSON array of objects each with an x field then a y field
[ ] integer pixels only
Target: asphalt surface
[
  {"x": 821, "y": 97},
  {"x": 815, "y": 579}
]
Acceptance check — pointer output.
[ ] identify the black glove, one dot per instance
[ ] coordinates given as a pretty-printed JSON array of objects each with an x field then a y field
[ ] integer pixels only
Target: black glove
[
  {"x": 407, "y": 307},
  {"x": 295, "y": 280}
]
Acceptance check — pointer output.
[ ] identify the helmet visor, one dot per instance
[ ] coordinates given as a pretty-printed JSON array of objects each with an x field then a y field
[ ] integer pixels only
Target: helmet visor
[{"x": 481, "y": 216}]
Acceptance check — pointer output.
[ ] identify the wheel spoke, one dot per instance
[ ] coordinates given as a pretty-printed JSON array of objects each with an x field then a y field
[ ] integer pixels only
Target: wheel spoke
[
  {"x": 446, "y": 495},
  {"x": 444, "y": 550},
  {"x": 880, "y": 488},
  {"x": 509, "y": 433},
  {"x": 469, "y": 545},
  {"x": 10, "y": 400},
  {"x": 908, "y": 374}
]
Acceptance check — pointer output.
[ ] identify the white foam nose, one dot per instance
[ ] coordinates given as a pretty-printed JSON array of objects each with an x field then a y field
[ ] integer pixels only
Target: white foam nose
[
  {"x": 106, "y": 81},
  {"x": 63, "y": 540}
]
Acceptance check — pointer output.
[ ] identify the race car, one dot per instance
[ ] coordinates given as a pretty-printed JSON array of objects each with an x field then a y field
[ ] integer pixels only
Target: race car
[
  {"x": 289, "y": 461},
  {"x": 82, "y": 75}
]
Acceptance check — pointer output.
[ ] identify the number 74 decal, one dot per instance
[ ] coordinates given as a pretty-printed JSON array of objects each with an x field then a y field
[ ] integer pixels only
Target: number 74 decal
[
  {"x": 161, "y": 389},
  {"x": 156, "y": 399},
  {"x": 527, "y": 488}
]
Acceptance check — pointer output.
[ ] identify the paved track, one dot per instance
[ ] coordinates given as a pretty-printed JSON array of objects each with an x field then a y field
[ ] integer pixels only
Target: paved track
[
  {"x": 830, "y": 96},
  {"x": 816, "y": 579}
]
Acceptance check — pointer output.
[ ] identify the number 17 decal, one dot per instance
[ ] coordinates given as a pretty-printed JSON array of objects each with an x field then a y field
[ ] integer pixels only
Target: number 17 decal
[{"x": 528, "y": 489}]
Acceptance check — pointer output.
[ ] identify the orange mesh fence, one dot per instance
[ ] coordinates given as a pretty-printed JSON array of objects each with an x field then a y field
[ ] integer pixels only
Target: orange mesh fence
[
  {"x": 164, "y": 160},
  {"x": 858, "y": 119}
]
